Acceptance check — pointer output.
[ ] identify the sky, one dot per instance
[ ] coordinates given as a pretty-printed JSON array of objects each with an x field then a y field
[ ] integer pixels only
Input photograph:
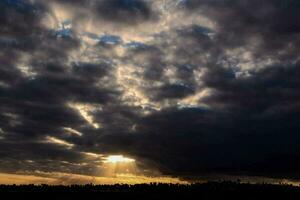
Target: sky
[{"x": 133, "y": 91}]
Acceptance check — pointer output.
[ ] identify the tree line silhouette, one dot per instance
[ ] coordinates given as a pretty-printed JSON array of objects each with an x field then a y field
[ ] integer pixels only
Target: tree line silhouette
[{"x": 209, "y": 190}]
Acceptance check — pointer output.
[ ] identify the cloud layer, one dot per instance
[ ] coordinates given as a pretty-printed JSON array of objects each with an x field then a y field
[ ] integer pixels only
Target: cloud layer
[{"x": 187, "y": 88}]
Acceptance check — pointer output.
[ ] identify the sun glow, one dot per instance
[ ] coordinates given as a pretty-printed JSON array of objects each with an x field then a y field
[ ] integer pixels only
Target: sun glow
[
  {"x": 118, "y": 164},
  {"x": 118, "y": 159}
]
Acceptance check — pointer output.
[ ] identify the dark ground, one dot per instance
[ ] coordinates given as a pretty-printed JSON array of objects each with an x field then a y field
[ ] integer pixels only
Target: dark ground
[{"x": 212, "y": 190}]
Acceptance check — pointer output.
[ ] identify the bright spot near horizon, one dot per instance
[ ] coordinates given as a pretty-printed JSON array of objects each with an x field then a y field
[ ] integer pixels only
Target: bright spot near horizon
[{"x": 118, "y": 159}]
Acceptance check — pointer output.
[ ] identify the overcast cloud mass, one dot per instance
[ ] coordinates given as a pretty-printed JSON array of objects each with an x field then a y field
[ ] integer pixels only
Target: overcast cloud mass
[{"x": 188, "y": 88}]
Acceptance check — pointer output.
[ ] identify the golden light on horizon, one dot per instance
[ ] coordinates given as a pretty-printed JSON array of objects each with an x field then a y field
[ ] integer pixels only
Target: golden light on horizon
[{"x": 59, "y": 178}]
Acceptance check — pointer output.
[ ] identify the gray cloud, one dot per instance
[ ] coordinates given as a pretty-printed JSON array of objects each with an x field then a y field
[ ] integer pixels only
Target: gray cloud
[{"x": 188, "y": 99}]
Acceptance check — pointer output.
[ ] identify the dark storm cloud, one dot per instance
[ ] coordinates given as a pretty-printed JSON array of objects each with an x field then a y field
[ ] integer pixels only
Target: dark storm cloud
[
  {"x": 19, "y": 22},
  {"x": 195, "y": 141},
  {"x": 35, "y": 106},
  {"x": 45, "y": 157},
  {"x": 19, "y": 18},
  {"x": 274, "y": 23},
  {"x": 252, "y": 123},
  {"x": 172, "y": 91},
  {"x": 248, "y": 126},
  {"x": 254, "y": 133},
  {"x": 117, "y": 11},
  {"x": 126, "y": 11}
]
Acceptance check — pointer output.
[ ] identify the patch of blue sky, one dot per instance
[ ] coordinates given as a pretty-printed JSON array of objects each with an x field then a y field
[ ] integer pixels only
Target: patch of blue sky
[
  {"x": 203, "y": 30},
  {"x": 92, "y": 36},
  {"x": 135, "y": 45},
  {"x": 187, "y": 66},
  {"x": 105, "y": 38},
  {"x": 192, "y": 107},
  {"x": 181, "y": 84},
  {"x": 110, "y": 39},
  {"x": 63, "y": 33},
  {"x": 65, "y": 29},
  {"x": 66, "y": 24}
]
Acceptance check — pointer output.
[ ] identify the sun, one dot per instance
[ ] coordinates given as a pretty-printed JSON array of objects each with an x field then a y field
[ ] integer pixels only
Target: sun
[
  {"x": 118, "y": 159},
  {"x": 114, "y": 165}
]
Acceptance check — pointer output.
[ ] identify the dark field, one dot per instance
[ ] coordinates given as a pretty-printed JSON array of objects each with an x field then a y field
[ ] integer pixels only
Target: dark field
[{"x": 211, "y": 190}]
